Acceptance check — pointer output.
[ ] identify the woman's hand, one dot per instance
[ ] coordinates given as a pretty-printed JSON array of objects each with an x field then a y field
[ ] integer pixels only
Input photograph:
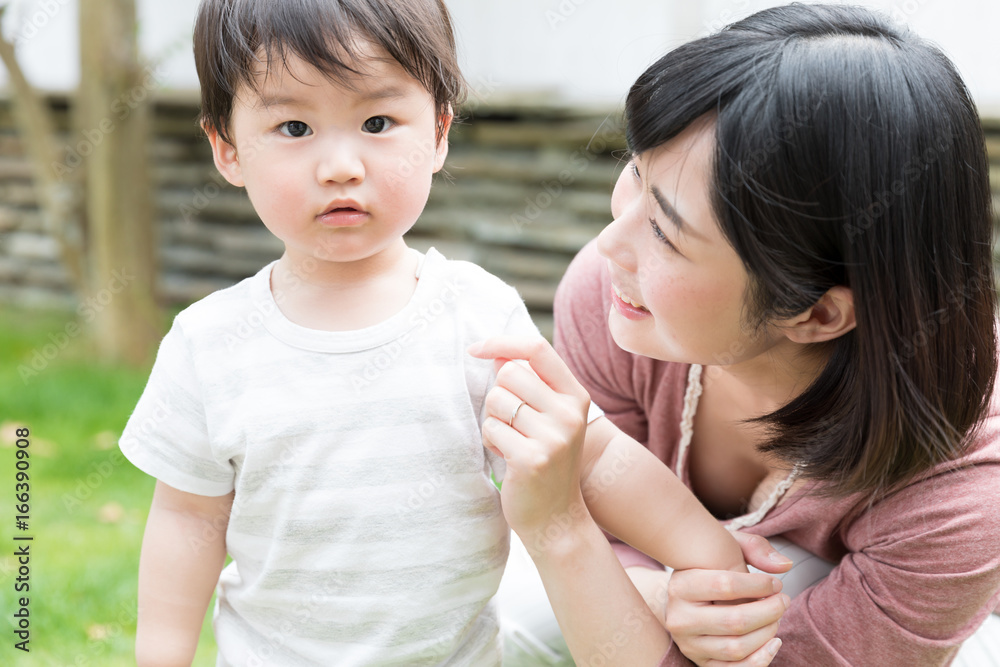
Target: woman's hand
[
  {"x": 541, "y": 439},
  {"x": 707, "y": 623}
]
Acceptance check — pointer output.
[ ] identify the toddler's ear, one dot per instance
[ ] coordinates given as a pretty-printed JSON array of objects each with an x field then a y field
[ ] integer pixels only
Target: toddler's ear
[
  {"x": 226, "y": 159},
  {"x": 441, "y": 152}
]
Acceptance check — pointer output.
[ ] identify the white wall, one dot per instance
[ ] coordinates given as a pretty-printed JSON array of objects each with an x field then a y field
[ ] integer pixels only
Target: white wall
[{"x": 575, "y": 50}]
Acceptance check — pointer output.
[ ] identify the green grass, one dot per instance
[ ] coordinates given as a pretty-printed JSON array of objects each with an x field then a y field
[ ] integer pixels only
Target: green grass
[{"x": 88, "y": 506}]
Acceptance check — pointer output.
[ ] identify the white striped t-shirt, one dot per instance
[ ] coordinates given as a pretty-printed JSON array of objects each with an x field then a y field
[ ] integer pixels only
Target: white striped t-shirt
[{"x": 365, "y": 528}]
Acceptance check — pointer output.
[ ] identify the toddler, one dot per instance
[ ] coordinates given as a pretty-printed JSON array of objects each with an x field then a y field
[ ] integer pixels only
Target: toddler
[{"x": 320, "y": 421}]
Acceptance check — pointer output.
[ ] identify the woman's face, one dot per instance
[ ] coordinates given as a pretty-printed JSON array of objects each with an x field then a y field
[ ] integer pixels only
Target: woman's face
[{"x": 678, "y": 286}]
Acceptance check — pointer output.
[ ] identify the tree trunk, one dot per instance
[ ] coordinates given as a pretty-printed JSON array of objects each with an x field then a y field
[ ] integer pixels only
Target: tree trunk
[
  {"x": 58, "y": 193},
  {"x": 112, "y": 118}
]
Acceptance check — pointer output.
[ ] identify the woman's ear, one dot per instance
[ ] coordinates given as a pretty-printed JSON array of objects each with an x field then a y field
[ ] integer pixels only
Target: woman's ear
[
  {"x": 441, "y": 150},
  {"x": 830, "y": 317},
  {"x": 227, "y": 161}
]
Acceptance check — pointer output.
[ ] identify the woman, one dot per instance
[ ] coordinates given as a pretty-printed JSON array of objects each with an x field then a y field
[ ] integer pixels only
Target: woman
[{"x": 794, "y": 308}]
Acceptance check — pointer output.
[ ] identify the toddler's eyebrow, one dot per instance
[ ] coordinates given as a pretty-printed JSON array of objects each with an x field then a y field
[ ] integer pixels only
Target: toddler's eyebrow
[
  {"x": 267, "y": 101},
  {"x": 385, "y": 92}
]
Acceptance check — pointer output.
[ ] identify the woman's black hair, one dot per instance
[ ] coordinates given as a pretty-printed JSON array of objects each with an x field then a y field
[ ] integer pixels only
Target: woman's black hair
[{"x": 849, "y": 152}]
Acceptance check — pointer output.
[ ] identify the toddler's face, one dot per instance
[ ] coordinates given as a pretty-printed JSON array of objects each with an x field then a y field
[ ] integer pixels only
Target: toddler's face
[{"x": 338, "y": 172}]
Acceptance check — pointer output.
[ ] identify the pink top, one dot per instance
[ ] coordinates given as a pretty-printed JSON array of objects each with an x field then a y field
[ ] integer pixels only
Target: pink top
[{"x": 918, "y": 572}]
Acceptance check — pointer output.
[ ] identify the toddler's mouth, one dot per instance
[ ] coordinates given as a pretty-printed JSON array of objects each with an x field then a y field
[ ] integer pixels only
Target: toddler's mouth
[{"x": 343, "y": 214}]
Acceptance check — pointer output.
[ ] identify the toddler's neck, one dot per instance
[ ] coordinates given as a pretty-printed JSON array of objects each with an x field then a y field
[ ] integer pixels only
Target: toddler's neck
[{"x": 344, "y": 296}]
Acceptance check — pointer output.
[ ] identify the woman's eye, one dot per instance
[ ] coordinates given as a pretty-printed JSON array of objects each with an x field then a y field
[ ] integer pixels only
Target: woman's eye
[
  {"x": 635, "y": 170},
  {"x": 658, "y": 233},
  {"x": 377, "y": 124},
  {"x": 294, "y": 128}
]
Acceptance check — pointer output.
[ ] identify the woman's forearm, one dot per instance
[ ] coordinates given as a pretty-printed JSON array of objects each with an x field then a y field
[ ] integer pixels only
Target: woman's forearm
[
  {"x": 604, "y": 619},
  {"x": 634, "y": 496}
]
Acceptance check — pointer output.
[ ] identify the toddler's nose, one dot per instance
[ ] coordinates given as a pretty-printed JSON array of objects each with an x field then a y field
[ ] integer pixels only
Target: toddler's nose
[{"x": 340, "y": 163}]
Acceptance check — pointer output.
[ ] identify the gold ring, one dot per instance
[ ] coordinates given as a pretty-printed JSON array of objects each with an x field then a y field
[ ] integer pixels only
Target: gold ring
[{"x": 510, "y": 422}]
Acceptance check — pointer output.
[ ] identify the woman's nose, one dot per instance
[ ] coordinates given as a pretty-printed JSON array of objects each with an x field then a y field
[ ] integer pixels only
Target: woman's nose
[{"x": 616, "y": 241}]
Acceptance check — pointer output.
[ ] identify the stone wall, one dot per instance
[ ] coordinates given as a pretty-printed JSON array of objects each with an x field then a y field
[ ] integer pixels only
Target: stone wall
[{"x": 525, "y": 189}]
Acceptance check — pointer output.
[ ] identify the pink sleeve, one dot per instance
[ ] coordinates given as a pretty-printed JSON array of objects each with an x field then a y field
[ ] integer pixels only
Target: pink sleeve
[{"x": 922, "y": 574}]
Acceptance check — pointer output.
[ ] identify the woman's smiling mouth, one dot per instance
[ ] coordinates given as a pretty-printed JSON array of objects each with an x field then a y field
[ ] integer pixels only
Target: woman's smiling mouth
[{"x": 626, "y": 306}]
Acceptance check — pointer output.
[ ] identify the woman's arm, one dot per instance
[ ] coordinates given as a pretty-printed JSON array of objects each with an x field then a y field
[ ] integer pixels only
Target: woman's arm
[
  {"x": 602, "y": 617},
  {"x": 635, "y": 497},
  {"x": 599, "y": 610},
  {"x": 922, "y": 572},
  {"x": 183, "y": 551}
]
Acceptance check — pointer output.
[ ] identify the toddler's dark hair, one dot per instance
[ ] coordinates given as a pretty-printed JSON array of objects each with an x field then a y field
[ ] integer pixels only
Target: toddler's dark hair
[{"x": 231, "y": 38}]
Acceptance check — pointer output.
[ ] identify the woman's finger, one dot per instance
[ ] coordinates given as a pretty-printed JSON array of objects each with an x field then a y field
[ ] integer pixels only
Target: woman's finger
[
  {"x": 509, "y": 407},
  {"x": 759, "y": 658},
  {"x": 504, "y": 440},
  {"x": 519, "y": 379},
  {"x": 721, "y": 585},
  {"x": 699, "y": 619},
  {"x": 734, "y": 648},
  {"x": 541, "y": 356},
  {"x": 758, "y": 552}
]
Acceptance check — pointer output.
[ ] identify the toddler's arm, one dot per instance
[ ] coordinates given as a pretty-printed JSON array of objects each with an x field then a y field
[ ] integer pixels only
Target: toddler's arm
[
  {"x": 183, "y": 551},
  {"x": 632, "y": 495}
]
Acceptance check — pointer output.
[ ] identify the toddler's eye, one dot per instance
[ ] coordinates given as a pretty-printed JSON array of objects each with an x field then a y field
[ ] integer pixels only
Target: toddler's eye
[
  {"x": 377, "y": 124},
  {"x": 294, "y": 128},
  {"x": 635, "y": 170}
]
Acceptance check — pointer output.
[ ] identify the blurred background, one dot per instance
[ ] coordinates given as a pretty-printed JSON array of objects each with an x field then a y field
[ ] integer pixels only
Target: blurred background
[{"x": 112, "y": 218}]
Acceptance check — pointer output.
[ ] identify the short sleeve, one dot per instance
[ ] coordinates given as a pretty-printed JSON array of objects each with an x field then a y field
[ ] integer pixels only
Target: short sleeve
[
  {"x": 922, "y": 574},
  {"x": 166, "y": 437}
]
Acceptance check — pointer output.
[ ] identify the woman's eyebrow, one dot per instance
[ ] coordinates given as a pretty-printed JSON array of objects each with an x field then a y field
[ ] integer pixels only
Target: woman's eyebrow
[{"x": 672, "y": 214}]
